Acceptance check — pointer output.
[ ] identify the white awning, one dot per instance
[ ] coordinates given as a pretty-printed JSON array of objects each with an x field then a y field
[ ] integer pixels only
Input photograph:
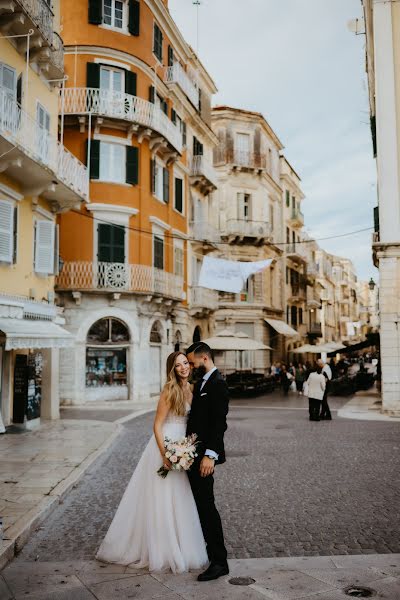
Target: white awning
[
  {"x": 281, "y": 327},
  {"x": 23, "y": 333},
  {"x": 231, "y": 340}
]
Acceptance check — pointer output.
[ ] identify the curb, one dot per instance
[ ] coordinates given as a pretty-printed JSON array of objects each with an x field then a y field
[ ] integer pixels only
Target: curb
[{"x": 21, "y": 532}]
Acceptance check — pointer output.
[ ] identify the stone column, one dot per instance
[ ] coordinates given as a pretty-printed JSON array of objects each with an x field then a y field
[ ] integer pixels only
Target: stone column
[{"x": 50, "y": 405}]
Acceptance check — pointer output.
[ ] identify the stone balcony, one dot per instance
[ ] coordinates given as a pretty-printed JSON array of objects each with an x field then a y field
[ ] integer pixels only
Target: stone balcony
[
  {"x": 296, "y": 252},
  {"x": 202, "y": 174},
  {"x": 144, "y": 118},
  {"x": 38, "y": 161},
  {"x": 297, "y": 293},
  {"x": 240, "y": 159},
  {"x": 87, "y": 276},
  {"x": 314, "y": 330},
  {"x": 176, "y": 75},
  {"x": 241, "y": 231},
  {"x": 202, "y": 301},
  {"x": 296, "y": 218}
]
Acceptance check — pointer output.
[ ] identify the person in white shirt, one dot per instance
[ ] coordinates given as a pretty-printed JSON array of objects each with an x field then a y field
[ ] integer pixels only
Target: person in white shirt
[
  {"x": 325, "y": 414},
  {"x": 315, "y": 387}
]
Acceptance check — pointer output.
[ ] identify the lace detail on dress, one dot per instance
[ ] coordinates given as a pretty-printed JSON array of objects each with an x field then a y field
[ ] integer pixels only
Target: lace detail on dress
[{"x": 171, "y": 418}]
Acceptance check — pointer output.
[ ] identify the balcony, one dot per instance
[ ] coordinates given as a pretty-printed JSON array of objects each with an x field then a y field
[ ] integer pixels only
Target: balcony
[
  {"x": 56, "y": 58},
  {"x": 119, "y": 277},
  {"x": 36, "y": 159},
  {"x": 315, "y": 330},
  {"x": 313, "y": 298},
  {"x": 297, "y": 293},
  {"x": 176, "y": 75},
  {"x": 203, "y": 232},
  {"x": 17, "y": 17},
  {"x": 149, "y": 121},
  {"x": 240, "y": 231},
  {"x": 296, "y": 253},
  {"x": 312, "y": 270},
  {"x": 296, "y": 218},
  {"x": 202, "y": 301},
  {"x": 240, "y": 159},
  {"x": 202, "y": 174}
]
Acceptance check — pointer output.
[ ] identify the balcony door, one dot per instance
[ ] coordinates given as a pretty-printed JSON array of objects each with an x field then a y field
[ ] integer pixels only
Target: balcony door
[
  {"x": 8, "y": 91},
  {"x": 242, "y": 148},
  {"x": 111, "y": 268},
  {"x": 244, "y": 206},
  {"x": 112, "y": 86},
  {"x": 43, "y": 131}
]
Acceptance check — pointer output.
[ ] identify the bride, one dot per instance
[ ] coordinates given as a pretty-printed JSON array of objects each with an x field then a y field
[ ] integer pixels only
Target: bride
[{"x": 156, "y": 524}]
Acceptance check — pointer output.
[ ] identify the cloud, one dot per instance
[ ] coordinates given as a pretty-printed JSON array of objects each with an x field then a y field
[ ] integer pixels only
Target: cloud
[{"x": 296, "y": 62}]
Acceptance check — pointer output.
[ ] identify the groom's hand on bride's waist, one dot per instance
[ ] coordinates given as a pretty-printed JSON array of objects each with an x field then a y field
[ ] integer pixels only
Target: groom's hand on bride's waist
[{"x": 207, "y": 466}]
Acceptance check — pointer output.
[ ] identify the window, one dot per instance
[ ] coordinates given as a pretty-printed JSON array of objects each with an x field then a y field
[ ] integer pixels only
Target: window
[
  {"x": 112, "y": 79},
  {"x": 198, "y": 148},
  {"x": 300, "y": 316},
  {"x": 8, "y": 232},
  {"x": 178, "y": 200},
  {"x": 158, "y": 252},
  {"x": 247, "y": 294},
  {"x": 293, "y": 310},
  {"x": 244, "y": 206},
  {"x": 106, "y": 353},
  {"x": 158, "y": 42},
  {"x": 42, "y": 132},
  {"x": 178, "y": 261},
  {"x": 159, "y": 180},
  {"x": 110, "y": 243},
  {"x": 112, "y": 162},
  {"x": 8, "y": 81},
  {"x": 45, "y": 244},
  {"x": 242, "y": 150},
  {"x": 114, "y": 13},
  {"x": 271, "y": 216},
  {"x": 287, "y": 198}
]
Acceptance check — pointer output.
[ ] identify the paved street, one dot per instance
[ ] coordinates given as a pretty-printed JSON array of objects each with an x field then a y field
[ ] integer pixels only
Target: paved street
[{"x": 289, "y": 488}]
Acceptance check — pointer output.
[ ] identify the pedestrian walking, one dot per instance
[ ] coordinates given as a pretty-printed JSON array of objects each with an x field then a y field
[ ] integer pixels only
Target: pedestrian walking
[
  {"x": 286, "y": 380},
  {"x": 327, "y": 373},
  {"x": 315, "y": 388},
  {"x": 300, "y": 377}
]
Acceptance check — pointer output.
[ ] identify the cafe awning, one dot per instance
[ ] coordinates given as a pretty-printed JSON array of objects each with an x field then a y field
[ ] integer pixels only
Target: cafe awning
[
  {"x": 232, "y": 340},
  {"x": 23, "y": 333},
  {"x": 281, "y": 327}
]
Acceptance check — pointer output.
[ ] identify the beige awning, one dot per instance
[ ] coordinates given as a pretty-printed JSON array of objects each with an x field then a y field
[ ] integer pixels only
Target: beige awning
[
  {"x": 23, "y": 333},
  {"x": 281, "y": 327},
  {"x": 230, "y": 340}
]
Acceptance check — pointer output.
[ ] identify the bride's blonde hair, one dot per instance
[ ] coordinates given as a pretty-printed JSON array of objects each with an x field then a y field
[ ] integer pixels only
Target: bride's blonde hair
[{"x": 173, "y": 389}]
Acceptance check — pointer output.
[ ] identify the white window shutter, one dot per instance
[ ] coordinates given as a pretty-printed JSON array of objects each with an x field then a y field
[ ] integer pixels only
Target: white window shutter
[
  {"x": 6, "y": 231},
  {"x": 44, "y": 247}
]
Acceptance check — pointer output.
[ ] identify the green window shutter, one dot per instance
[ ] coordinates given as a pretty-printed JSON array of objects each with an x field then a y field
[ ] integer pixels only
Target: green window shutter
[
  {"x": 111, "y": 243},
  {"x": 179, "y": 194},
  {"x": 166, "y": 185},
  {"x": 94, "y": 169},
  {"x": 134, "y": 17},
  {"x": 164, "y": 106},
  {"x": 152, "y": 176},
  {"x": 19, "y": 89},
  {"x": 287, "y": 198},
  {"x": 95, "y": 12},
  {"x": 130, "y": 83},
  {"x": 170, "y": 56},
  {"x": 118, "y": 247},
  {"x": 92, "y": 75},
  {"x": 158, "y": 42},
  {"x": 376, "y": 219},
  {"x": 173, "y": 116},
  {"x": 132, "y": 165},
  {"x": 184, "y": 134},
  {"x": 151, "y": 94}
]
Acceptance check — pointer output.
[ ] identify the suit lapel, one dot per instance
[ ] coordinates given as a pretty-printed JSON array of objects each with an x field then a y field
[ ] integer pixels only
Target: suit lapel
[{"x": 211, "y": 378}]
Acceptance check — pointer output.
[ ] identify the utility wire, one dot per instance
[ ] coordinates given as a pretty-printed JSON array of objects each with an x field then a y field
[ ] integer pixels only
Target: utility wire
[{"x": 191, "y": 239}]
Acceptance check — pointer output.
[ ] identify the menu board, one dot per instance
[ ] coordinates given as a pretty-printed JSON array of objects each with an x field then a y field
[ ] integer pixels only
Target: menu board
[
  {"x": 34, "y": 390},
  {"x": 20, "y": 387}
]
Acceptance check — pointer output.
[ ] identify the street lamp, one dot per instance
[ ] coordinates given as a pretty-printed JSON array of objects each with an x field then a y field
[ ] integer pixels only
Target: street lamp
[{"x": 371, "y": 284}]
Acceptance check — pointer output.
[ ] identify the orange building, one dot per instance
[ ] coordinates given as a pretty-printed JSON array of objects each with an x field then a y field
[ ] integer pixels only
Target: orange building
[{"x": 137, "y": 110}]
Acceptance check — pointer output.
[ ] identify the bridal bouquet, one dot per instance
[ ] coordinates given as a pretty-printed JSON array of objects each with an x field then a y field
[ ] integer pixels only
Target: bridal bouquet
[{"x": 180, "y": 453}]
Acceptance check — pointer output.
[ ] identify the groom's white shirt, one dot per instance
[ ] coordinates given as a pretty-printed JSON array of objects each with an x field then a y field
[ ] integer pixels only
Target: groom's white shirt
[{"x": 206, "y": 377}]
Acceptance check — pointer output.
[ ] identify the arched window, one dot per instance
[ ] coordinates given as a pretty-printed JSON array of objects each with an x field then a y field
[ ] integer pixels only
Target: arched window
[
  {"x": 178, "y": 341},
  {"x": 197, "y": 334},
  {"x": 155, "y": 333},
  {"x": 106, "y": 348}
]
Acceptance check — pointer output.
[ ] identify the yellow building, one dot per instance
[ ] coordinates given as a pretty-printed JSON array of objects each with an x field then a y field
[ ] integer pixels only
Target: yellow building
[{"x": 39, "y": 179}]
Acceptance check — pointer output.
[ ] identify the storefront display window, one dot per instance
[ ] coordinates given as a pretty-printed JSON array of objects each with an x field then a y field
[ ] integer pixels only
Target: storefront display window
[{"x": 106, "y": 354}]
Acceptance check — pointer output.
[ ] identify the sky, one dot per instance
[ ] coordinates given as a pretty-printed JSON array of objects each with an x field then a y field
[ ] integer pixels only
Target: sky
[{"x": 296, "y": 62}]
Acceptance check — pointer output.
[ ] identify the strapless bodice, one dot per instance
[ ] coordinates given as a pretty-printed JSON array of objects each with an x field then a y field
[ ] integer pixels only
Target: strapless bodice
[{"x": 178, "y": 419}]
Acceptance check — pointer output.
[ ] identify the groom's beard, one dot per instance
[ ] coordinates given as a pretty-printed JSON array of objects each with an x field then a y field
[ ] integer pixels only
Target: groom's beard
[{"x": 197, "y": 374}]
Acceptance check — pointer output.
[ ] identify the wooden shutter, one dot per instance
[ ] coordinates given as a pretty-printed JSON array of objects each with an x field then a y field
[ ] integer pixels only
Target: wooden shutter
[
  {"x": 104, "y": 242},
  {"x": 132, "y": 165},
  {"x": 95, "y": 12},
  {"x": 151, "y": 94},
  {"x": 94, "y": 168},
  {"x": 130, "y": 83},
  {"x": 134, "y": 17},
  {"x": 44, "y": 247},
  {"x": 184, "y": 134},
  {"x": 170, "y": 56},
  {"x": 376, "y": 219},
  {"x": 6, "y": 231},
  {"x": 92, "y": 75},
  {"x": 19, "y": 89},
  {"x": 118, "y": 244},
  {"x": 164, "y": 106},
  {"x": 165, "y": 185},
  {"x": 173, "y": 116},
  {"x": 179, "y": 194},
  {"x": 56, "y": 268},
  {"x": 15, "y": 235},
  {"x": 152, "y": 176}
]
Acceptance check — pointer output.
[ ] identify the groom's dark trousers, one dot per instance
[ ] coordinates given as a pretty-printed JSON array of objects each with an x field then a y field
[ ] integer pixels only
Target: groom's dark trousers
[{"x": 208, "y": 420}]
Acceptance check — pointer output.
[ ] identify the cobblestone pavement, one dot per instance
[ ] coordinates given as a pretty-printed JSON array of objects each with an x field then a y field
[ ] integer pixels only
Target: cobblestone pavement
[{"x": 290, "y": 487}]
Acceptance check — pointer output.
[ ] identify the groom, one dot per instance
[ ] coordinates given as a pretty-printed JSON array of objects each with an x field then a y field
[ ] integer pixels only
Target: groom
[{"x": 208, "y": 420}]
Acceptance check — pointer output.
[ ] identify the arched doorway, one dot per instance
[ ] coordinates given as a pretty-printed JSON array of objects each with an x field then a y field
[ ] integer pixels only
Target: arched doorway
[
  {"x": 107, "y": 345},
  {"x": 197, "y": 334},
  {"x": 155, "y": 357},
  {"x": 178, "y": 341}
]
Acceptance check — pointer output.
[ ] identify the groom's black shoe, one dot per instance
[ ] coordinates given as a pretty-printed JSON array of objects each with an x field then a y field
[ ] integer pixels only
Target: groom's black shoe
[{"x": 213, "y": 572}]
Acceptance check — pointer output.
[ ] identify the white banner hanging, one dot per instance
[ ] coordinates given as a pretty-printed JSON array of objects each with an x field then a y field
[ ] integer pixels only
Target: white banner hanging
[{"x": 228, "y": 275}]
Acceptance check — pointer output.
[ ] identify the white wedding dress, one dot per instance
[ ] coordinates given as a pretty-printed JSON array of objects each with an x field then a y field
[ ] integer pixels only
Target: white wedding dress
[{"x": 156, "y": 524}]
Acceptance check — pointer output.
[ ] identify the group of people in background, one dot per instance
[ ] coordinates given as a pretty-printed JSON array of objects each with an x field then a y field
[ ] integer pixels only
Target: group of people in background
[{"x": 308, "y": 380}]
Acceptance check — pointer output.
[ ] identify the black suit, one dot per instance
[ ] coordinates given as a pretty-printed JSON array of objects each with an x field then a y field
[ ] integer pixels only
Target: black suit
[{"x": 208, "y": 420}]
